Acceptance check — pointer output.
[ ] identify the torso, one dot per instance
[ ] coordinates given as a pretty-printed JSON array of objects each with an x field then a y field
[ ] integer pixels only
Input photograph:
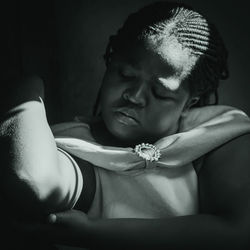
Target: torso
[
  {"x": 89, "y": 187},
  {"x": 89, "y": 177}
]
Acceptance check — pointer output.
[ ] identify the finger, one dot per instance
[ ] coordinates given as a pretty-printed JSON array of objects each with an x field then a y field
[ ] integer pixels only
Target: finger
[
  {"x": 52, "y": 218},
  {"x": 60, "y": 218}
]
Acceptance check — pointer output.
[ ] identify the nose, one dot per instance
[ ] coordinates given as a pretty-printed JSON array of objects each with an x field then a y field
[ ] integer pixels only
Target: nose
[{"x": 136, "y": 94}]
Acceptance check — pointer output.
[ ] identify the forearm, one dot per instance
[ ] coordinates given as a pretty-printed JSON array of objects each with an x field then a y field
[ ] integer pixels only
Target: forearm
[{"x": 187, "y": 232}]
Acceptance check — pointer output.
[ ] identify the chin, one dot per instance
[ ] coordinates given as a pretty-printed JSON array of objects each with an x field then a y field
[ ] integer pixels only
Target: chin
[{"x": 123, "y": 134}]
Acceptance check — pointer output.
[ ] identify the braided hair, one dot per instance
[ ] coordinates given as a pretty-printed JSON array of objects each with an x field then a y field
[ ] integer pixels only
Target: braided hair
[{"x": 192, "y": 30}]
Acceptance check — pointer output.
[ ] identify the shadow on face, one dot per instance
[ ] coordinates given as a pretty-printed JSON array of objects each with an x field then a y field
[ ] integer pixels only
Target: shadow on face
[{"x": 145, "y": 92}]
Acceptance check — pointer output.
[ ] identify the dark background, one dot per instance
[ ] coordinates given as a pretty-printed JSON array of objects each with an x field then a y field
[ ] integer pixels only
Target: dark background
[{"x": 63, "y": 41}]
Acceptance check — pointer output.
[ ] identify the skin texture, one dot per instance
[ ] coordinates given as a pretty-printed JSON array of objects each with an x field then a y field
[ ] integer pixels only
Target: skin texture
[{"x": 144, "y": 93}]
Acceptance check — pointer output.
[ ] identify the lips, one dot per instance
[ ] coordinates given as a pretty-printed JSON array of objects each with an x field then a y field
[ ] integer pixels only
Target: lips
[{"x": 126, "y": 115}]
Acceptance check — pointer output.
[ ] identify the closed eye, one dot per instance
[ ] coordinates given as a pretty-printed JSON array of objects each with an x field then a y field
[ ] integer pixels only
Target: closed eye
[
  {"x": 159, "y": 96},
  {"x": 161, "y": 93}
]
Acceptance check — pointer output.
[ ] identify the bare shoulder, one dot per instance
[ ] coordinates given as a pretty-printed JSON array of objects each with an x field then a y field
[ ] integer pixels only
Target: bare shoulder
[{"x": 224, "y": 179}]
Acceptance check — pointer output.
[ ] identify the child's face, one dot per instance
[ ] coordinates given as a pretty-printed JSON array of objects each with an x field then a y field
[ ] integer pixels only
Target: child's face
[{"x": 144, "y": 94}]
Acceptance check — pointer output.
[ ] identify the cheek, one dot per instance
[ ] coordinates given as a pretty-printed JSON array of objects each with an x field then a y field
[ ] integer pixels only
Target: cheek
[
  {"x": 111, "y": 91},
  {"x": 111, "y": 95},
  {"x": 165, "y": 118}
]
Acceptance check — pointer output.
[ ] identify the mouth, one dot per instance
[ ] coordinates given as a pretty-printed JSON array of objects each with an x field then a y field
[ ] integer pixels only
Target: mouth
[{"x": 127, "y": 117}]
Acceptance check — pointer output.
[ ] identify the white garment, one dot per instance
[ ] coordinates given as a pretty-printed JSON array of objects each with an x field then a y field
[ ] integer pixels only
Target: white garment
[{"x": 130, "y": 187}]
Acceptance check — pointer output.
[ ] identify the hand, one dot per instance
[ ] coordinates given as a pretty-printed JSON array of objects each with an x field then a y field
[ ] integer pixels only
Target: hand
[
  {"x": 69, "y": 228},
  {"x": 65, "y": 228}
]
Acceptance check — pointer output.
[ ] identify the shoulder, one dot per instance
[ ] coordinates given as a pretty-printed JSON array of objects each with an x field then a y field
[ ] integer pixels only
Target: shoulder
[{"x": 224, "y": 179}]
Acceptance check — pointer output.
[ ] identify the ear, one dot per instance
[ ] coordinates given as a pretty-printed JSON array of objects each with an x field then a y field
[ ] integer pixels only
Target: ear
[{"x": 191, "y": 102}]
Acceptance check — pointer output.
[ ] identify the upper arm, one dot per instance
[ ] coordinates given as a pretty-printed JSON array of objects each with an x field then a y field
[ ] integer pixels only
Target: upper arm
[
  {"x": 224, "y": 180},
  {"x": 35, "y": 176},
  {"x": 52, "y": 190},
  {"x": 69, "y": 182}
]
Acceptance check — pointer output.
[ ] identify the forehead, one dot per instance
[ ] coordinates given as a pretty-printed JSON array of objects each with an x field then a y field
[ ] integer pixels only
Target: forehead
[
  {"x": 166, "y": 61},
  {"x": 161, "y": 57},
  {"x": 172, "y": 52}
]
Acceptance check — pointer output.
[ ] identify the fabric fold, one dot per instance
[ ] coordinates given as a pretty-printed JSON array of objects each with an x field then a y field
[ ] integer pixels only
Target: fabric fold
[{"x": 201, "y": 130}]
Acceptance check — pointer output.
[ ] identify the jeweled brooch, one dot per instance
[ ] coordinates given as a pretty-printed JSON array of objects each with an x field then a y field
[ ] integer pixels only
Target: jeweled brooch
[{"x": 147, "y": 151}]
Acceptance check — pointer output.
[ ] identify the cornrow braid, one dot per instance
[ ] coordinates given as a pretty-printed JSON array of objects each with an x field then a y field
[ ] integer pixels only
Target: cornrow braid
[
  {"x": 192, "y": 30},
  {"x": 202, "y": 38}
]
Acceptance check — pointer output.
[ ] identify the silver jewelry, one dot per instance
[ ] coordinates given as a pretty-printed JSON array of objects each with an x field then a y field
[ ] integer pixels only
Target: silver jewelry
[{"x": 147, "y": 151}]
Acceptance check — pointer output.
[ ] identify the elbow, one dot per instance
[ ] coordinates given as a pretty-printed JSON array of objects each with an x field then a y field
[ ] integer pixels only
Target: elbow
[
  {"x": 29, "y": 196},
  {"x": 45, "y": 187},
  {"x": 21, "y": 196}
]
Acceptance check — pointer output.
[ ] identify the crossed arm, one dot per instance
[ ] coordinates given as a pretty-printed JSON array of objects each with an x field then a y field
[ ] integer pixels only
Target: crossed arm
[{"x": 37, "y": 171}]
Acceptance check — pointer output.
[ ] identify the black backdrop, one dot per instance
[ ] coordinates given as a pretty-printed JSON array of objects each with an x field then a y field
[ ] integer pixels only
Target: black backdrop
[{"x": 63, "y": 41}]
